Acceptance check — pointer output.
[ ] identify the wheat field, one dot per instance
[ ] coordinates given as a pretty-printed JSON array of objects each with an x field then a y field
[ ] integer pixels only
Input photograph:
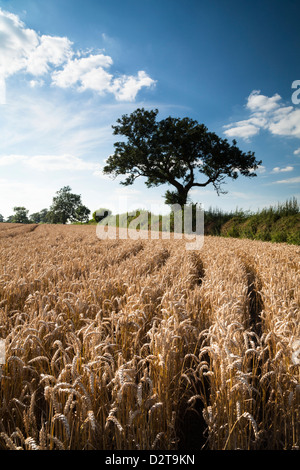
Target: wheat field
[{"x": 142, "y": 344}]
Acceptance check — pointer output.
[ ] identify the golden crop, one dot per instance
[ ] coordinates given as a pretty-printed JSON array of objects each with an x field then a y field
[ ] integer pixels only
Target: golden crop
[{"x": 123, "y": 344}]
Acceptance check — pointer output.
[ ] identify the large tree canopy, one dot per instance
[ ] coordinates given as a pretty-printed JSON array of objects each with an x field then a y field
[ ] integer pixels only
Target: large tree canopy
[{"x": 175, "y": 151}]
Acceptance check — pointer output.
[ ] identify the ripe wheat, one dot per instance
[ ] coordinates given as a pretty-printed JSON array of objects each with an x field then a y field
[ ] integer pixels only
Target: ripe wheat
[{"x": 140, "y": 344}]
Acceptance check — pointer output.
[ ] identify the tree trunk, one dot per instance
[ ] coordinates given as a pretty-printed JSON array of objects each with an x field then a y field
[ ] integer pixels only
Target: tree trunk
[{"x": 176, "y": 197}]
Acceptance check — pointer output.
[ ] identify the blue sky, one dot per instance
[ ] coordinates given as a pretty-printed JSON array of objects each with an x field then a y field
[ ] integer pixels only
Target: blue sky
[{"x": 69, "y": 69}]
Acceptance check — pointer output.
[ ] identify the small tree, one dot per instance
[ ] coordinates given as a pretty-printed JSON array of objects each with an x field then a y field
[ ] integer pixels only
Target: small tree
[
  {"x": 175, "y": 151},
  {"x": 1, "y": 218},
  {"x": 82, "y": 214},
  {"x": 20, "y": 216},
  {"x": 39, "y": 217},
  {"x": 101, "y": 214},
  {"x": 66, "y": 207}
]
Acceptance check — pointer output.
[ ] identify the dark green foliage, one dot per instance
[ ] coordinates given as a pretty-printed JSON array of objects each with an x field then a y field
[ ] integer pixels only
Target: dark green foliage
[
  {"x": 39, "y": 217},
  {"x": 214, "y": 219},
  {"x": 67, "y": 207},
  {"x": 82, "y": 214},
  {"x": 279, "y": 223},
  {"x": 101, "y": 214},
  {"x": 20, "y": 216}
]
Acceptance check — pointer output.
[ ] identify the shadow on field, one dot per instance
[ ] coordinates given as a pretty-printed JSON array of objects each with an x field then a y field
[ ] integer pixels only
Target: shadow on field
[{"x": 192, "y": 429}]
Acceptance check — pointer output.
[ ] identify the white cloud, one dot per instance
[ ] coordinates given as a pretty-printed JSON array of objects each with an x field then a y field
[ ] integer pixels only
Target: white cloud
[
  {"x": 89, "y": 73},
  {"x": 24, "y": 50},
  {"x": 289, "y": 180},
  {"x": 266, "y": 113},
  {"x": 17, "y": 43},
  {"x": 243, "y": 130},
  {"x": 262, "y": 103},
  {"x": 51, "y": 50},
  {"x": 127, "y": 87},
  {"x": 286, "y": 124},
  {"x": 297, "y": 152},
  {"x": 277, "y": 169}
]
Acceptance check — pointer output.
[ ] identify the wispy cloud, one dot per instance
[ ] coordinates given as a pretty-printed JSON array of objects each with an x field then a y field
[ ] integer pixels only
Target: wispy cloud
[
  {"x": 53, "y": 58},
  {"x": 289, "y": 181},
  {"x": 55, "y": 127},
  {"x": 50, "y": 162},
  {"x": 8, "y": 160},
  {"x": 268, "y": 113}
]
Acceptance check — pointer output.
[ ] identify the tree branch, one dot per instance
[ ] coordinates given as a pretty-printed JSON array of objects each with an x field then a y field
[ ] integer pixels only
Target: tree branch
[{"x": 210, "y": 180}]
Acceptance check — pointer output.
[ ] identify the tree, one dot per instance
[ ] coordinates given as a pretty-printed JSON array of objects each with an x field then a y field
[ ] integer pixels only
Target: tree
[
  {"x": 101, "y": 214},
  {"x": 82, "y": 213},
  {"x": 1, "y": 218},
  {"x": 175, "y": 151},
  {"x": 66, "y": 207},
  {"x": 39, "y": 217},
  {"x": 20, "y": 215}
]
